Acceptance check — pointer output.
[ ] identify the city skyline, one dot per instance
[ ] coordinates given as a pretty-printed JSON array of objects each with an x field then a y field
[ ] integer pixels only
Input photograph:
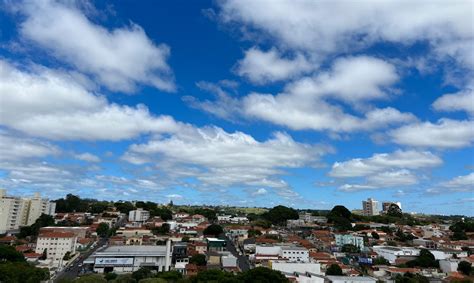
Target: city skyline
[{"x": 240, "y": 103}]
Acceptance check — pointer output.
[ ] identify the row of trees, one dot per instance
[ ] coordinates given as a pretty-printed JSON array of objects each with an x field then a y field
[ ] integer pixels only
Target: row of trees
[{"x": 145, "y": 275}]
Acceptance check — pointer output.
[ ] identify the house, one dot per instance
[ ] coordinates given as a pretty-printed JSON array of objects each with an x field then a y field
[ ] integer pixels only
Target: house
[{"x": 392, "y": 254}]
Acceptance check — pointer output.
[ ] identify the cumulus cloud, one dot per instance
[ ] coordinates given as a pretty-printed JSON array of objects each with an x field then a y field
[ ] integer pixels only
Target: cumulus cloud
[
  {"x": 384, "y": 170},
  {"x": 228, "y": 159},
  {"x": 460, "y": 183},
  {"x": 304, "y": 104},
  {"x": 262, "y": 67},
  {"x": 313, "y": 26},
  {"x": 16, "y": 149},
  {"x": 460, "y": 101},
  {"x": 120, "y": 59},
  {"x": 50, "y": 104},
  {"x": 88, "y": 157},
  {"x": 446, "y": 133},
  {"x": 409, "y": 159}
]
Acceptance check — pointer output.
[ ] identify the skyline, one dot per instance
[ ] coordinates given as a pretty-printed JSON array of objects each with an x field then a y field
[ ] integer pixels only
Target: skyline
[{"x": 245, "y": 103}]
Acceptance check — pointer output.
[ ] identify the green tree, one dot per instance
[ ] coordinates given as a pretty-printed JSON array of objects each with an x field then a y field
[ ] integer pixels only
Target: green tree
[
  {"x": 380, "y": 261},
  {"x": 33, "y": 230},
  {"x": 340, "y": 216},
  {"x": 90, "y": 278},
  {"x": 142, "y": 273},
  {"x": 214, "y": 230},
  {"x": 185, "y": 239},
  {"x": 153, "y": 280},
  {"x": 124, "y": 278},
  {"x": 22, "y": 272},
  {"x": 425, "y": 259},
  {"x": 280, "y": 214},
  {"x": 162, "y": 230},
  {"x": 8, "y": 253},
  {"x": 210, "y": 214},
  {"x": 350, "y": 248},
  {"x": 103, "y": 230},
  {"x": 334, "y": 269},
  {"x": 254, "y": 233},
  {"x": 375, "y": 235},
  {"x": 214, "y": 275},
  {"x": 44, "y": 255},
  {"x": 198, "y": 259},
  {"x": 394, "y": 211},
  {"x": 170, "y": 276},
  {"x": 124, "y": 206},
  {"x": 262, "y": 275},
  {"x": 67, "y": 256},
  {"x": 110, "y": 276},
  {"x": 465, "y": 267}
]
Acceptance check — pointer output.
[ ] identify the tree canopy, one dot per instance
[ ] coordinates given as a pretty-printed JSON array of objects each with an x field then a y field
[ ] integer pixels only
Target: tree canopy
[
  {"x": 334, "y": 269},
  {"x": 214, "y": 230},
  {"x": 279, "y": 214}
]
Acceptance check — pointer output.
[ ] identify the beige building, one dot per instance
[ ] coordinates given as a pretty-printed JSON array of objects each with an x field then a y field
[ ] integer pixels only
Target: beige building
[
  {"x": 56, "y": 244},
  {"x": 16, "y": 212},
  {"x": 370, "y": 207}
]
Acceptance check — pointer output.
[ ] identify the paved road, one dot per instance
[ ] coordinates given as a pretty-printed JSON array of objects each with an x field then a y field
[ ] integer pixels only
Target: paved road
[
  {"x": 72, "y": 271},
  {"x": 242, "y": 260}
]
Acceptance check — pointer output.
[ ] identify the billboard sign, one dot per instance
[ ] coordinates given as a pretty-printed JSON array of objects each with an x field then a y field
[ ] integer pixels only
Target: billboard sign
[{"x": 116, "y": 261}]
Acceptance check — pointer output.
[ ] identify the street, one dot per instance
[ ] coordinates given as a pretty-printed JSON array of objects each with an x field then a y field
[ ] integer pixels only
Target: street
[
  {"x": 242, "y": 260},
  {"x": 72, "y": 271}
]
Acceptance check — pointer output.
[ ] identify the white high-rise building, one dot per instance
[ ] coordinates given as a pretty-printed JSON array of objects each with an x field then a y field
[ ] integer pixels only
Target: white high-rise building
[
  {"x": 370, "y": 207},
  {"x": 138, "y": 215},
  {"x": 16, "y": 212}
]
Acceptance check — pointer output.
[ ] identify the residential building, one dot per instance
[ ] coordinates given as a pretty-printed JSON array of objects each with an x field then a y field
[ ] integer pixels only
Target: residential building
[
  {"x": 370, "y": 207},
  {"x": 138, "y": 215},
  {"x": 16, "y": 212},
  {"x": 348, "y": 239},
  {"x": 56, "y": 244}
]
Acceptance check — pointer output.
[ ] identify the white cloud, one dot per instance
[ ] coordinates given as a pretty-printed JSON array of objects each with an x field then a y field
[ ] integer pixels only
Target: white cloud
[
  {"x": 262, "y": 67},
  {"x": 120, "y": 58},
  {"x": 227, "y": 159},
  {"x": 460, "y": 183},
  {"x": 446, "y": 133},
  {"x": 304, "y": 103},
  {"x": 224, "y": 106},
  {"x": 460, "y": 101},
  {"x": 351, "y": 79},
  {"x": 17, "y": 149},
  {"x": 306, "y": 113},
  {"x": 51, "y": 104},
  {"x": 360, "y": 167},
  {"x": 260, "y": 192},
  {"x": 331, "y": 27},
  {"x": 384, "y": 170},
  {"x": 88, "y": 157}
]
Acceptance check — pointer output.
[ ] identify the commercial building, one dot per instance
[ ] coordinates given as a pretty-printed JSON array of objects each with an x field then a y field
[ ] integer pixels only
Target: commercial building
[
  {"x": 393, "y": 253},
  {"x": 125, "y": 259},
  {"x": 138, "y": 215},
  {"x": 56, "y": 244},
  {"x": 275, "y": 252},
  {"x": 292, "y": 267},
  {"x": 348, "y": 239},
  {"x": 370, "y": 207},
  {"x": 16, "y": 211}
]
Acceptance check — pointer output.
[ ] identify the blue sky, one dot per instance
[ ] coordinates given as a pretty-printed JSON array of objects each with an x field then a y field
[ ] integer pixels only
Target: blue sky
[{"x": 253, "y": 103}]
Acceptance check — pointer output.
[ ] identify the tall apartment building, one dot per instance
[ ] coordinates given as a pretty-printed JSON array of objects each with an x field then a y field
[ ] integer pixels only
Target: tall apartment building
[
  {"x": 138, "y": 215},
  {"x": 56, "y": 244},
  {"x": 386, "y": 205},
  {"x": 370, "y": 207},
  {"x": 16, "y": 212}
]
